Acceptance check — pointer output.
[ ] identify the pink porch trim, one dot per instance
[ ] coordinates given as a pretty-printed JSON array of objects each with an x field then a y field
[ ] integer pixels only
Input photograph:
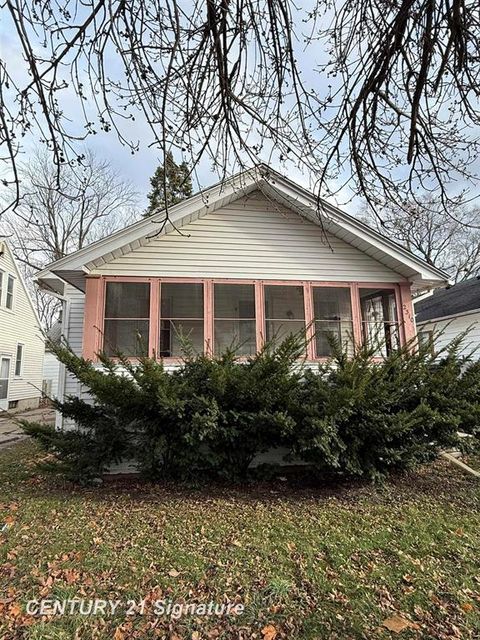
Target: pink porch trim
[
  {"x": 93, "y": 315},
  {"x": 407, "y": 313},
  {"x": 95, "y": 295}
]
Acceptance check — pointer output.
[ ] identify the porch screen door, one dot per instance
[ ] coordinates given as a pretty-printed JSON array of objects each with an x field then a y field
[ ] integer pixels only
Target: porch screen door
[{"x": 4, "y": 377}]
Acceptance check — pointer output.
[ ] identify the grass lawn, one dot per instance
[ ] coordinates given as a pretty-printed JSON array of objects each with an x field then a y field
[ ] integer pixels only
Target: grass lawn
[{"x": 311, "y": 562}]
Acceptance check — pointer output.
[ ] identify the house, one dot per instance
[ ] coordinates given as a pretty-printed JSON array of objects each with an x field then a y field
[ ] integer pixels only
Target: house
[
  {"x": 250, "y": 259},
  {"x": 448, "y": 312},
  {"x": 21, "y": 340}
]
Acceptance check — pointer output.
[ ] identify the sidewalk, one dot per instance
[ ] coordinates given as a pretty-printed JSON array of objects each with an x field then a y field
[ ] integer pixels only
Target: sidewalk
[{"x": 11, "y": 432}]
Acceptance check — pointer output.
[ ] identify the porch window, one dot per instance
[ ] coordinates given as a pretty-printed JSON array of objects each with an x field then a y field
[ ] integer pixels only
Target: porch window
[
  {"x": 181, "y": 318},
  {"x": 380, "y": 320},
  {"x": 234, "y": 318},
  {"x": 332, "y": 312},
  {"x": 127, "y": 318},
  {"x": 284, "y": 311}
]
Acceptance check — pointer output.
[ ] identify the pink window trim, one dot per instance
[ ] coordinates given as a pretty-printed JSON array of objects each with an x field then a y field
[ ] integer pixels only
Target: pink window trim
[{"x": 95, "y": 297}]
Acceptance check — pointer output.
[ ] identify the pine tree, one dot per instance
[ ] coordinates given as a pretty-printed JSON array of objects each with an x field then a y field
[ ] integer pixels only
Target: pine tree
[{"x": 177, "y": 187}]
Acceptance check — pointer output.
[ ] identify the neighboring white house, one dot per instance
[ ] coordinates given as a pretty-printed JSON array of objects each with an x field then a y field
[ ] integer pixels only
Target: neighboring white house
[
  {"x": 21, "y": 340},
  {"x": 449, "y": 312},
  {"x": 242, "y": 261}
]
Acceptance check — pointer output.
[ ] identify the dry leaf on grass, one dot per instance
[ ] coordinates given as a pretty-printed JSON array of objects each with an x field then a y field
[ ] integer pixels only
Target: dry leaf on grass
[
  {"x": 467, "y": 607},
  {"x": 269, "y": 632},
  {"x": 397, "y": 624},
  {"x": 173, "y": 573}
]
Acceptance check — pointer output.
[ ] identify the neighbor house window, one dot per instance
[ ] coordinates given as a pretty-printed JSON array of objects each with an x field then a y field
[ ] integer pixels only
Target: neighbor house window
[
  {"x": 332, "y": 312},
  {"x": 19, "y": 360},
  {"x": 127, "y": 318},
  {"x": 379, "y": 320},
  {"x": 425, "y": 339},
  {"x": 284, "y": 311},
  {"x": 234, "y": 318},
  {"x": 181, "y": 318},
  {"x": 9, "y": 296}
]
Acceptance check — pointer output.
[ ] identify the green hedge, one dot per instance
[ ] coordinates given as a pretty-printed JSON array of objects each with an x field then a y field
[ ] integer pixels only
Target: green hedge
[{"x": 212, "y": 416}]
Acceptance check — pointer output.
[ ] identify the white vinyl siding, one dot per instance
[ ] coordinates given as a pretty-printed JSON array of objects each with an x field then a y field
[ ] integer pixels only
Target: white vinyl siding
[
  {"x": 20, "y": 325},
  {"x": 450, "y": 328},
  {"x": 251, "y": 238},
  {"x": 68, "y": 385},
  {"x": 51, "y": 370}
]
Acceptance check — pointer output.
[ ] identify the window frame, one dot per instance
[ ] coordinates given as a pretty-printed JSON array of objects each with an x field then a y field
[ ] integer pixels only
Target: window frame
[
  {"x": 356, "y": 328},
  {"x": 22, "y": 359},
  {"x": 157, "y": 317},
  {"x": 10, "y": 278},
  {"x": 208, "y": 293},
  {"x": 256, "y": 301},
  {"x": 399, "y": 308}
]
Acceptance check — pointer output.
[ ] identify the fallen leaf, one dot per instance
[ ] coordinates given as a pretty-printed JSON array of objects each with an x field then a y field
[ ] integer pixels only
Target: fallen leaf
[
  {"x": 173, "y": 573},
  {"x": 269, "y": 632},
  {"x": 467, "y": 607},
  {"x": 195, "y": 635},
  {"x": 397, "y": 624},
  {"x": 118, "y": 635},
  {"x": 15, "y": 610}
]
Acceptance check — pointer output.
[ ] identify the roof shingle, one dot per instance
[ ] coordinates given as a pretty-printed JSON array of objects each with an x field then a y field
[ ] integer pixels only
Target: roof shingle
[{"x": 462, "y": 297}]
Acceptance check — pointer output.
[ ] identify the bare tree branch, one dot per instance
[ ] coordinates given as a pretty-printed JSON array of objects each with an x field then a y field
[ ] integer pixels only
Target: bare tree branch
[{"x": 381, "y": 98}]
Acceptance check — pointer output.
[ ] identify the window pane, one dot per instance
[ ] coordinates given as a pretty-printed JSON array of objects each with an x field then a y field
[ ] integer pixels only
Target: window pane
[
  {"x": 284, "y": 302},
  {"x": 341, "y": 331},
  {"x": 332, "y": 303},
  {"x": 4, "y": 368},
  {"x": 9, "y": 297},
  {"x": 332, "y": 310},
  {"x": 18, "y": 360},
  {"x": 130, "y": 337},
  {"x": 237, "y": 334},
  {"x": 127, "y": 300},
  {"x": 181, "y": 300},
  {"x": 173, "y": 333},
  {"x": 278, "y": 330},
  {"x": 284, "y": 311},
  {"x": 379, "y": 319},
  {"x": 234, "y": 301}
]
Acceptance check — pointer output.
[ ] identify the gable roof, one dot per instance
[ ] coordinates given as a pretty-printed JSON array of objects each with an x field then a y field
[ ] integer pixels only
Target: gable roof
[
  {"x": 72, "y": 268},
  {"x": 19, "y": 276},
  {"x": 462, "y": 298}
]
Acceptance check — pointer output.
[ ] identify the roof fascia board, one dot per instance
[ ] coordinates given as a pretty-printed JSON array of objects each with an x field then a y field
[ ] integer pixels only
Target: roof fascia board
[
  {"x": 22, "y": 282},
  {"x": 262, "y": 177},
  {"x": 355, "y": 226},
  {"x": 240, "y": 183}
]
